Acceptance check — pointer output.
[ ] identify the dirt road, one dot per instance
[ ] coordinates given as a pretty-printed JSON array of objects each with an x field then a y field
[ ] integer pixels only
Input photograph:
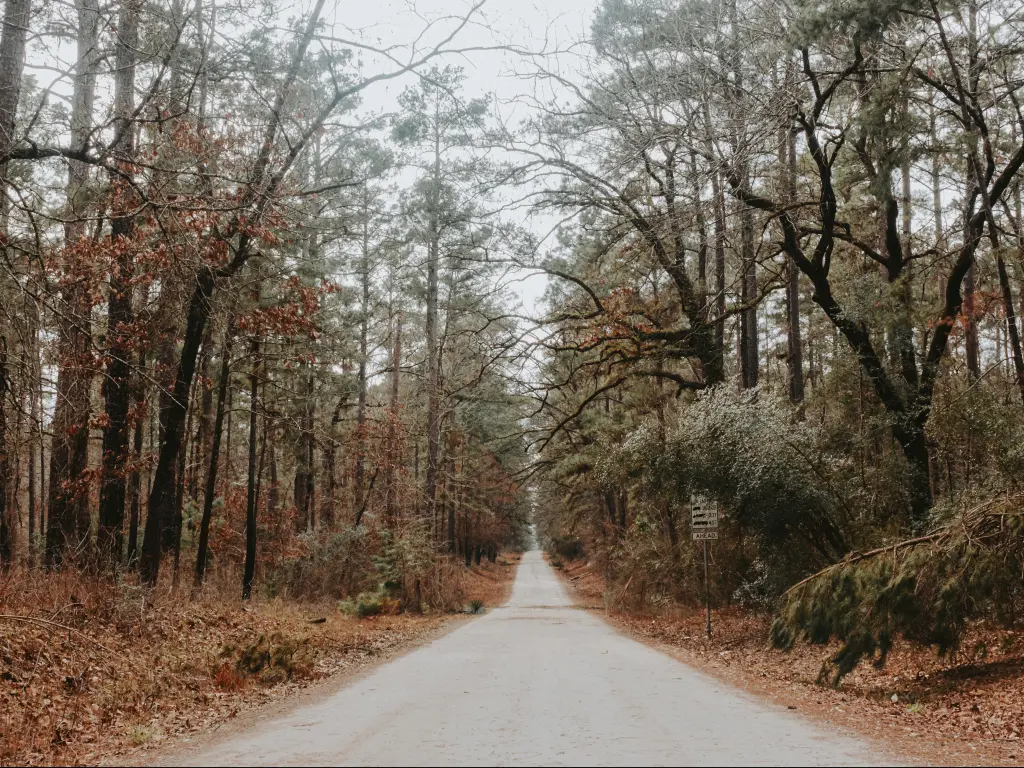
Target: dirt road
[{"x": 538, "y": 682}]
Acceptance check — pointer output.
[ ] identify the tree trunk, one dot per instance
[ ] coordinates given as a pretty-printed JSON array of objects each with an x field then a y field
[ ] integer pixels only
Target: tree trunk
[
  {"x": 303, "y": 491},
  {"x": 68, "y": 518},
  {"x": 179, "y": 500},
  {"x": 794, "y": 346},
  {"x": 201, "y": 443},
  {"x": 364, "y": 331},
  {"x": 12, "y": 63},
  {"x": 161, "y": 496},
  {"x": 718, "y": 191},
  {"x": 273, "y": 492},
  {"x": 251, "y": 500},
  {"x": 450, "y": 534},
  {"x": 310, "y": 451},
  {"x": 165, "y": 374},
  {"x": 393, "y": 457},
  {"x": 136, "y": 476},
  {"x": 749, "y": 356},
  {"x": 973, "y": 348},
  {"x": 433, "y": 395},
  {"x": 117, "y": 384},
  {"x": 709, "y": 353},
  {"x": 6, "y": 529},
  {"x": 1009, "y": 304},
  {"x": 330, "y": 465},
  {"x": 211, "y": 473},
  {"x": 32, "y": 498}
]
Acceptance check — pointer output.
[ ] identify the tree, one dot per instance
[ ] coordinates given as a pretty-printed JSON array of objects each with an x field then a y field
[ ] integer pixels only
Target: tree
[
  {"x": 117, "y": 384},
  {"x": 68, "y": 516},
  {"x": 439, "y": 123}
]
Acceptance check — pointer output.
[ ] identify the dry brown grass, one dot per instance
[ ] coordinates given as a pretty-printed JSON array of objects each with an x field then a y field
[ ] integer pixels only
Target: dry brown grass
[{"x": 91, "y": 670}]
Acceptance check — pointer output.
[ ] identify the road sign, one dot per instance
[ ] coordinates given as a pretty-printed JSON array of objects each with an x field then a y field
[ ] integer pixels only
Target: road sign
[
  {"x": 704, "y": 527},
  {"x": 703, "y": 515}
]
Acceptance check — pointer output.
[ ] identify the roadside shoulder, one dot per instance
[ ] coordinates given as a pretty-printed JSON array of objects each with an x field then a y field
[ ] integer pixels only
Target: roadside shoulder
[{"x": 738, "y": 654}]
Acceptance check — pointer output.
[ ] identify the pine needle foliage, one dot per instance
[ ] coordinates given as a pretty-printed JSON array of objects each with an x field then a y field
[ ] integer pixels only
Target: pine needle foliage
[{"x": 925, "y": 589}]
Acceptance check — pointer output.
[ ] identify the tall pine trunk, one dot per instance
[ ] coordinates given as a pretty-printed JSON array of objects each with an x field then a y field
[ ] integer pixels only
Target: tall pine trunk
[
  {"x": 68, "y": 520},
  {"x": 718, "y": 192},
  {"x": 794, "y": 344},
  {"x": 6, "y": 528},
  {"x": 135, "y": 487},
  {"x": 393, "y": 458},
  {"x": 211, "y": 473},
  {"x": 749, "y": 355},
  {"x": 12, "y": 63},
  {"x": 249, "y": 574},
  {"x": 117, "y": 383},
  {"x": 364, "y": 331},
  {"x": 433, "y": 374}
]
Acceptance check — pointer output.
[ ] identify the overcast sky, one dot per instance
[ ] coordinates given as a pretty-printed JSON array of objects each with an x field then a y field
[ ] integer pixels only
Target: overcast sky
[
  {"x": 533, "y": 26},
  {"x": 499, "y": 22}
]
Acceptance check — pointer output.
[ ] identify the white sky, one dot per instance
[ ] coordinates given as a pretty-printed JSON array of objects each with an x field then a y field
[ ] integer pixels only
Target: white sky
[
  {"x": 524, "y": 25},
  {"x": 499, "y": 22}
]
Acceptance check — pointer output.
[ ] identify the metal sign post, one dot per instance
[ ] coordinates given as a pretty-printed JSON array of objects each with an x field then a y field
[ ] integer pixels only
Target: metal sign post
[
  {"x": 704, "y": 528},
  {"x": 707, "y": 587}
]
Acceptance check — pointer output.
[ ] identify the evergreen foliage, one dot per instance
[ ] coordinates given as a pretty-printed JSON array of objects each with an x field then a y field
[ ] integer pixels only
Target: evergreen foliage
[{"x": 925, "y": 589}]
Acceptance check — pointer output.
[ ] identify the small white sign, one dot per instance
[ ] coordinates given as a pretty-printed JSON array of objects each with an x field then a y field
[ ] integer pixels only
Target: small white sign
[
  {"x": 705, "y": 535},
  {"x": 703, "y": 513}
]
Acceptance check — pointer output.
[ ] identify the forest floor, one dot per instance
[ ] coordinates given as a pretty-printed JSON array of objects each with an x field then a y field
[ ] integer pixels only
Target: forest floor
[
  {"x": 965, "y": 711},
  {"x": 90, "y": 676}
]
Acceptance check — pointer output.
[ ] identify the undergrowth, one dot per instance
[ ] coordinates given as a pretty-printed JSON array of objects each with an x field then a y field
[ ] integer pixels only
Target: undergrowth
[{"x": 925, "y": 589}]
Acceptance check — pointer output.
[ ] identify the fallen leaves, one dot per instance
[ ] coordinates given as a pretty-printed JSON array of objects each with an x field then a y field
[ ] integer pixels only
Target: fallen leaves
[
  {"x": 968, "y": 710},
  {"x": 91, "y": 670}
]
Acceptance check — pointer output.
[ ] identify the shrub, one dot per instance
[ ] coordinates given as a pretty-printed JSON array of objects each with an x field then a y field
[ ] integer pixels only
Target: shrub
[
  {"x": 777, "y": 492},
  {"x": 227, "y": 678},
  {"x": 926, "y": 589},
  {"x": 366, "y": 604},
  {"x": 333, "y": 564},
  {"x": 270, "y": 659}
]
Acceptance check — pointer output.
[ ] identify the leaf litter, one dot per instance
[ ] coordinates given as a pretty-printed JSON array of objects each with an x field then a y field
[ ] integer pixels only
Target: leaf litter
[
  {"x": 963, "y": 710},
  {"x": 92, "y": 672}
]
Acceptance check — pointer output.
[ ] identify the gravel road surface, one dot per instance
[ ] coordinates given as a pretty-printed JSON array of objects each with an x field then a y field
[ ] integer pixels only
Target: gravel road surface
[{"x": 538, "y": 682}]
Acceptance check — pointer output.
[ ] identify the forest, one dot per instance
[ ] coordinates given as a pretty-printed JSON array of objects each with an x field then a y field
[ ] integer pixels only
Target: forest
[
  {"x": 262, "y": 337},
  {"x": 793, "y": 287},
  {"x": 242, "y": 326}
]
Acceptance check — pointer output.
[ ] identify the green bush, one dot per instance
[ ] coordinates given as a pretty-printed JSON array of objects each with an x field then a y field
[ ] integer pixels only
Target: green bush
[
  {"x": 779, "y": 496},
  {"x": 366, "y": 604},
  {"x": 926, "y": 589}
]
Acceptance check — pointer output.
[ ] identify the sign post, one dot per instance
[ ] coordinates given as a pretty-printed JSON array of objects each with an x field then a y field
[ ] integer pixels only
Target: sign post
[{"x": 704, "y": 528}]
